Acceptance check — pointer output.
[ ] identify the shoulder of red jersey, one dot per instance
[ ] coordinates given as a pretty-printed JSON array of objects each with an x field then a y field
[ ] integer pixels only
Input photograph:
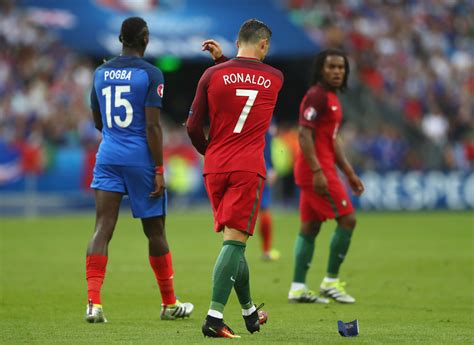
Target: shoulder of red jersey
[
  {"x": 219, "y": 65},
  {"x": 314, "y": 104},
  {"x": 258, "y": 65},
  {"x": 275, "y": 71},
  {"x": 317, "y": 91},
  {"x": 272, "y": 70},
  {"x": 318, "y": 96}
]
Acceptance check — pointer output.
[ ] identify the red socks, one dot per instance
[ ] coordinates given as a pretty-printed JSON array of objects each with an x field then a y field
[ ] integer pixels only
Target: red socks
[
  {"x": 95, "y": 272},
  {"x": 266, "y": 230},
  {"x": 163, "y": 268}
]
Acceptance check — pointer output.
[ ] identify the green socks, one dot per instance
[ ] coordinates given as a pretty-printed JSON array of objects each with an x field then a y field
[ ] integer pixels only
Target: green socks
[
  {"x": 338, "y": 249},
  {"x": 231, "y": 270},
  {"x": 242, "y": 285},
  {"x": 304, "y": 249}
]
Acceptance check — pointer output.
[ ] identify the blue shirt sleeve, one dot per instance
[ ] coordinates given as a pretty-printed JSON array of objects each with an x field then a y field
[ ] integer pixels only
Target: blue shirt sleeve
[
  {"x": 154, "y": 96},
  {"x": 94, "y": 101}
]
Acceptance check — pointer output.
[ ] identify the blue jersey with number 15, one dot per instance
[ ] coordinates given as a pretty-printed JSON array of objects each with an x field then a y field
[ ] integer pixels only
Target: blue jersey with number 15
[{"x": 122, "y": 88}]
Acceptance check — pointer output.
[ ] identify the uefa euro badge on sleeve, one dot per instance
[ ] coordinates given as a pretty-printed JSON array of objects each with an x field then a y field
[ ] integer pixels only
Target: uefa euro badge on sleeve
[{"x": 349, "y": 329}]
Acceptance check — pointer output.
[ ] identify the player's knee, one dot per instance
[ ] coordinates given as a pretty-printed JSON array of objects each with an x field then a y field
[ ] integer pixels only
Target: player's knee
[
  {"x": 348, "y": 222},
  {"x": 310, "y": 228},
  {"x": 157, "y": 238},
  {"x": 153, "y": 228},
  {"x": 102, "y": 237},
  {"x": 316, "y": 227}
]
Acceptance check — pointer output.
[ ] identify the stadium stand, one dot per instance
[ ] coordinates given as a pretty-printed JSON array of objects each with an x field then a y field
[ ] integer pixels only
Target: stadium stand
[{"x": 410, "y": 103}]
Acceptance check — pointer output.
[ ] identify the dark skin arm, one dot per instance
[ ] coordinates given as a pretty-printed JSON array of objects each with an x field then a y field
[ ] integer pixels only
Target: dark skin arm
[
  {"x": 306, "y": 140},
  {"x": 343, "y": 164},
  {"x": 154, "y": 135},
  {"x": 97, "y": 119}
]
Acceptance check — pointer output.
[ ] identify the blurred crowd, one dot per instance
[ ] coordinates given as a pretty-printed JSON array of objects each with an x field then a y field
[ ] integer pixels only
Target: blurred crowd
[
  {"x": 416, "y": 59},
  {"x": 43, "y": 87},
  {"x": 416, "y": 56}
]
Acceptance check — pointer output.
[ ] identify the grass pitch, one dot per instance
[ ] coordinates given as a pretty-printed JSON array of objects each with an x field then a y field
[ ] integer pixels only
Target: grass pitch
[{"x": 412, "y": 276}]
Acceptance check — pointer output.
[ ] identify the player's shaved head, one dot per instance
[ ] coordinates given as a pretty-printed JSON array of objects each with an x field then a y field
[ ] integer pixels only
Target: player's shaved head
[
  {"x": 133, "y": 33},
  {"x": 319, "y": 63},
  {"x": 253, "y": 30}
]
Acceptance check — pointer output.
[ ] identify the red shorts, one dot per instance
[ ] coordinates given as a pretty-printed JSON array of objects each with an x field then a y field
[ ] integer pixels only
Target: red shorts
[
  {"x": 314, "y": 207},
  {"x": 235, "y": 199}
]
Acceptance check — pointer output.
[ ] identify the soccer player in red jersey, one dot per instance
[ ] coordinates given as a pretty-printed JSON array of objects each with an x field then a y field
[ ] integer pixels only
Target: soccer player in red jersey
[
  {"x": 239, "y": 97},
  {"x": 323, "y": 195},
  {"x": 265, "y": 217}
]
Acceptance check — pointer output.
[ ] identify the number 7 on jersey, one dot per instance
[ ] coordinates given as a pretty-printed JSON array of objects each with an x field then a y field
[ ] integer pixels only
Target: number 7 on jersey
[{"x": 251, "y": 94}]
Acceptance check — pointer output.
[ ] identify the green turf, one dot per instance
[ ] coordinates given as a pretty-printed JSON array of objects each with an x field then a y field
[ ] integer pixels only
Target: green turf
[{"x": 412, "y": 275}]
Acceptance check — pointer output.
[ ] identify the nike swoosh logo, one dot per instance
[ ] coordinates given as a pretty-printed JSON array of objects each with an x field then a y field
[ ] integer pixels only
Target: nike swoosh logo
[
  {"x": 334, "y": 108},
  {"x": 232, "y": 278}
]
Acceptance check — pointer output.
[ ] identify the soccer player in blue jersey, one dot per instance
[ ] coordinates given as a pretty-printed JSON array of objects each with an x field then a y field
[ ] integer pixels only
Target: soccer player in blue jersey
[{"x": 126, "y": 99}]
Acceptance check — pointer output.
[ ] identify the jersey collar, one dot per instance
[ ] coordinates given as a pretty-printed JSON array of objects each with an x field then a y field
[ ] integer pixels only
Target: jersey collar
[{"x": 247, "y": 58}]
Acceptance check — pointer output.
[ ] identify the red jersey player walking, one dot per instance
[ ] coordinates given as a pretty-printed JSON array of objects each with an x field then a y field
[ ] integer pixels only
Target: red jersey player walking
[
  {"x": 323, "y": 195},
  {"x": 265, "y": 218},
  {"x": 239, "y": 97}
]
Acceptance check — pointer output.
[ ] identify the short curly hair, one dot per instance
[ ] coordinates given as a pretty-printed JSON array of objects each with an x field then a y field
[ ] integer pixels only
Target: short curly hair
[{"x": 133, "y": 32}]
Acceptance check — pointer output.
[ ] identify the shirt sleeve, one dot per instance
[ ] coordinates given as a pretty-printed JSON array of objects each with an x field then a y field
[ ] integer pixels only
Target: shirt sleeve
[
  {"x": 282, "y": 77},
  {"x": 197, "y": 114},
  {"x": 156, "y": 85},
  {"x": 94, "y": 101},
  {"x": 314, "y": 104},
  {"x": 222, "y": 59}
]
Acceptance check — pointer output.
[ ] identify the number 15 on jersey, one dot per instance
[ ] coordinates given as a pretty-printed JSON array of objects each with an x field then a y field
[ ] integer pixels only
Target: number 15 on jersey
[{"x": 119, "y": 101}]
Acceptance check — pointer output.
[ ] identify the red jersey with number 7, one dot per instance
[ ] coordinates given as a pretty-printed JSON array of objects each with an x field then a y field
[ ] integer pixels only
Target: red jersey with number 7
[{"x": 239, "y": 96}]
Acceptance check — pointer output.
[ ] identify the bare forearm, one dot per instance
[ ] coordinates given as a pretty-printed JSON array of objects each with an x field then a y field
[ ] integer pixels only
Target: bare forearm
[
  {"x": 341, "y": 159},
  {"x": 154, "y": 135},
  {"x": 97, "y": 119}
]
